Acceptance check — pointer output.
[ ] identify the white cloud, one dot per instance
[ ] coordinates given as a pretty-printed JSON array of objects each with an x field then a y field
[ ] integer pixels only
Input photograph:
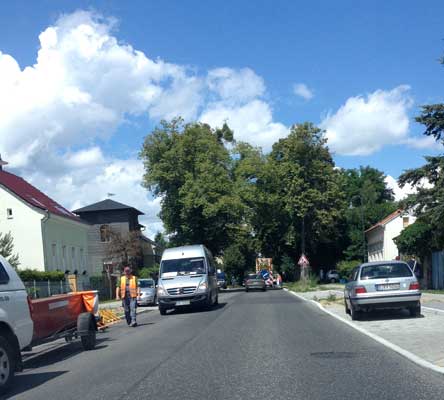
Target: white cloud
[
  {"x": 235, "y": 86},
  {"x": 423, "y": 142},
  {"x": 302, "y": 90},
  {"x": 363, "y": 125},
  {"x": 251, "y": 122},
  {"x": 84, "y": 84},
  {"x": 402, "y": 193}
]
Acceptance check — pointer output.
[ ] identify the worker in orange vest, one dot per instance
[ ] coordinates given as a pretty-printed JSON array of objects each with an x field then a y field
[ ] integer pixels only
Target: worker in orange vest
[{"x": 128, "y": 291}]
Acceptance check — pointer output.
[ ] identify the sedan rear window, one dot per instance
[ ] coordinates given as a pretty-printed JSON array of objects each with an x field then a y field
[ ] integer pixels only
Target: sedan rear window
[
  {"x": 254, "y": 276},
  {"x": 382, "y": 271}
]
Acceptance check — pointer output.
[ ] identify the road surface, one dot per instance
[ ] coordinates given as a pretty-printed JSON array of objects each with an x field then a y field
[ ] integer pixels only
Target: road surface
[{"x": 252, "y": 346}]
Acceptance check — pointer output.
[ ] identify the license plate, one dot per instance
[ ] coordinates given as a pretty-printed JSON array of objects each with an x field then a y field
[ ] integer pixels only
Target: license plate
[
  {"x": 388, "y": 286},
  {"x": 183, "y": 303}
]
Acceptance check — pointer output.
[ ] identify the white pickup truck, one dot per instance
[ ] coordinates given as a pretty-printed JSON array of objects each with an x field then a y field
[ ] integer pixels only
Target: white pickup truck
[{"x": 16, "y": 326}]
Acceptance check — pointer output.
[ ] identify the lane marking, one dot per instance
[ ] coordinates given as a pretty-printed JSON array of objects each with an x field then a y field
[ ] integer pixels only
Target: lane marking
[{"x": 405, "y": 353}]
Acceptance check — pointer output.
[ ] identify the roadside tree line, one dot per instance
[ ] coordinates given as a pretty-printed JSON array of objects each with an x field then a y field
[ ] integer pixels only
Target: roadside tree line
[{"x": 241, "y": 202}]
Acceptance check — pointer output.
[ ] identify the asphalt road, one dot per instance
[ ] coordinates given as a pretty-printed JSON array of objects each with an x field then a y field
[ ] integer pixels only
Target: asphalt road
[{"x": 253, "y": 346}]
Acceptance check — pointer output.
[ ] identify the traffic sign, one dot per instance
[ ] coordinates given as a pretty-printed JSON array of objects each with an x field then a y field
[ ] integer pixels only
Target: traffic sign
[
  {"x": 303, "y": 260},
  {"x": 265, "y": 274}
]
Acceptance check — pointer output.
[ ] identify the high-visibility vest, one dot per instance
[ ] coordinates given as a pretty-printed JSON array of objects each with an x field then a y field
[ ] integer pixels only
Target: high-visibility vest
[{"x": 132, "y": 286}]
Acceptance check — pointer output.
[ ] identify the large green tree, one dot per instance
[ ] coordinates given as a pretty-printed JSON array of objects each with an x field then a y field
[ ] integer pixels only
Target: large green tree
[
  {"x": 190, "y": 168},
  {"x": 300, "y": 203}
]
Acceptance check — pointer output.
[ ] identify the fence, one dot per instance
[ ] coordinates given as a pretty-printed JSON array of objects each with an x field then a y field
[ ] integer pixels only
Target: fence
[
  {"x": 438, "y": 270},
  {"x": 42, "y": 289}
]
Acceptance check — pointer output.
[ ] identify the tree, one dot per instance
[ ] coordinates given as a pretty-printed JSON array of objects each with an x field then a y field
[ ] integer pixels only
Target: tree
[
  {"x": 160, "y": 241},
  {"x": 369, "y": 200},
  {"x": 7, "y": 249},
  {"x": 300, "y": 201},
  {"x": 427, "y": 233},
  {"x": 190, "y": 168},
  {"x": 125, "y": 249}
]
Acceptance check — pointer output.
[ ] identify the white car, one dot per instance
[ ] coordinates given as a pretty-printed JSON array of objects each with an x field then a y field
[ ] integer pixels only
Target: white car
[
  {"x": 333, "y": 276},
  {"x": 16, "y": 326}
]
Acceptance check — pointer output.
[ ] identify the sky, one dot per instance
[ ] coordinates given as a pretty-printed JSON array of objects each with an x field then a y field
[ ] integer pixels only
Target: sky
[{"x": 82, "y": 84}]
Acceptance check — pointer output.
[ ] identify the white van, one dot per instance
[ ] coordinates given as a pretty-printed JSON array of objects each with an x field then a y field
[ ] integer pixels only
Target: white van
[
  {"x": 16, "y": 326},
  {"x": 187, "y": 276}
]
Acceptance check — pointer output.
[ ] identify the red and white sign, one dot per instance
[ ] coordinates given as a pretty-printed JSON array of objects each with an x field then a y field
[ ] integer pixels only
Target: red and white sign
[{"x": 303, "y": 261}]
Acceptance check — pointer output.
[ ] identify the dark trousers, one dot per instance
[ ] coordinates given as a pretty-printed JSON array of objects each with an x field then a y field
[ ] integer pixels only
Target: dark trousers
[{"x": 129, "y": 306}]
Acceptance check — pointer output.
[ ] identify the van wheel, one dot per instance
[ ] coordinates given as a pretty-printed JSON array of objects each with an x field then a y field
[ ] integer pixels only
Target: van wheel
[
  {"x": 162, "y": 310},
  {"x": 7, "y": 364}
]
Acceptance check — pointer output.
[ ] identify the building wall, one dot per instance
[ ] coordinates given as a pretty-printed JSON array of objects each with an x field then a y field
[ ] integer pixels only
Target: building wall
[
  {"x": 25, "y": 227},
  {"x": 97, "y": 248},
  {"x": 392, "y": 230},
  {"x": 375, "y": 244},
  {"x": 66, "y": 245},
  {"x": 380, "y": 244}
]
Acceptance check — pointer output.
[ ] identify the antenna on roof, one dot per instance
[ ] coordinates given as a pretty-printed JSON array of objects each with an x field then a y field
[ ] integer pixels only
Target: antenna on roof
[
  {"x": 2, "y": 163},
  {"x": 111, "y": 194}
]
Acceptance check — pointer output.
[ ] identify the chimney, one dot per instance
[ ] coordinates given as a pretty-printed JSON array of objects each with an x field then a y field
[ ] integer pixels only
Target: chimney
[{"x": 2, "y": 163}]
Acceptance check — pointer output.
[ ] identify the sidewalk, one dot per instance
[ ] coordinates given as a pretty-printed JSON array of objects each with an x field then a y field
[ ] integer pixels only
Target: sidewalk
[
  {"x": 116, "y": 306},
  {"x": 423, "y": 337}
]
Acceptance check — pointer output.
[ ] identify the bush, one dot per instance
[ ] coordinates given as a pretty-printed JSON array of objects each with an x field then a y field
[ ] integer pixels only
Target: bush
[
  {"x": 28, "y": 275},
  {"x": 345, "y": 267}
]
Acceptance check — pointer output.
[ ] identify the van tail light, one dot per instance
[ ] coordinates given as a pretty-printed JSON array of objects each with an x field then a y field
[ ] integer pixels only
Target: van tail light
[
  {"x": 360, "y": 290},
  {"x": 30, "y": 305},
  {"x": 414, "y": 286}
]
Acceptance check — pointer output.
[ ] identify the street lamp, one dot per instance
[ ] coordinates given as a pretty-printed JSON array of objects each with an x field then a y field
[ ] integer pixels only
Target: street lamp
[{"x": 364, "y": 253}]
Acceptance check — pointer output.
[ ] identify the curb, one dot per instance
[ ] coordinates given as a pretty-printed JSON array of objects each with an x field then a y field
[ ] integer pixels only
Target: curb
[{"x": 405, "y": 353}]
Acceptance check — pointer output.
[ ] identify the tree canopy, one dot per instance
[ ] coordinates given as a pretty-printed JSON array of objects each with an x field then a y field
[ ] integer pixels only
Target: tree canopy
[{"x": 7, "y": 249}]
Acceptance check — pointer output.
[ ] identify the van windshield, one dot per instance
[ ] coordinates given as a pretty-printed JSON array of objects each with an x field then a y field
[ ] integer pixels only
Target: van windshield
[{"x": 183, "y": 266}]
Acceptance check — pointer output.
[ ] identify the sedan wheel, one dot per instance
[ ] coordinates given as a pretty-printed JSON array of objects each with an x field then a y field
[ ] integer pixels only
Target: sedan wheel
[{"x": 355, "y": 314}]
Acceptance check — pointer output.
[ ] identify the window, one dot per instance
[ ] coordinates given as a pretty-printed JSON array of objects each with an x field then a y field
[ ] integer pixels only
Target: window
[
  {"x": 9, "y": 213},
  {"x": 405, "y": 222},
  {"x": 105, "y": 234},
  {"x": 4, "y": 278}
]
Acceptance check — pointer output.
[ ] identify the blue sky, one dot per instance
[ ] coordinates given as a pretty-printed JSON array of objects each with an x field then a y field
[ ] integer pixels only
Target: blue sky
[{"x": 377, "y": 61}]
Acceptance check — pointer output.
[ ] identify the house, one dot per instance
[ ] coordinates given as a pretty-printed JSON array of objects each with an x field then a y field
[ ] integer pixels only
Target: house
[
  {"x": 109, "y": 216},
  {"x": 380, "y": 244},
  {"x": 47, "y": 236}
]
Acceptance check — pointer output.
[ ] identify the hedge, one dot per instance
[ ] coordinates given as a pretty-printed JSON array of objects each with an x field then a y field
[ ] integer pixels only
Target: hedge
[{"x": 28, "y": 275}]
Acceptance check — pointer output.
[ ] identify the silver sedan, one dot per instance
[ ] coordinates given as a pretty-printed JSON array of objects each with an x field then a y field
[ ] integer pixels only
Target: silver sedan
[{"x": 382, "y": 285}]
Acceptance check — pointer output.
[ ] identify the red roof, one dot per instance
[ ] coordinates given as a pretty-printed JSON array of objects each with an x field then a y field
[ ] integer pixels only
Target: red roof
[
  {"x": 386, "y": 220},
  {"x": 33, "y": 196}
]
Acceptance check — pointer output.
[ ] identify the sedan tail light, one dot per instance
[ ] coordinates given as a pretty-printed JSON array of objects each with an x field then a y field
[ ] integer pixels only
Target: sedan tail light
[
  {"x": 360, "y": 290},
  {"x": 414, "y": 286}
]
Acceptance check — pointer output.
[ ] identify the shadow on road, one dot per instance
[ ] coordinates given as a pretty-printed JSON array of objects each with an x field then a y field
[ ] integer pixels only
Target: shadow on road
[
  {"x": 28, "y": 381},
  {"x": 387, "y": 315},
  {"x": 194, "y": 309},
  {"x": 59, "y": 353}
]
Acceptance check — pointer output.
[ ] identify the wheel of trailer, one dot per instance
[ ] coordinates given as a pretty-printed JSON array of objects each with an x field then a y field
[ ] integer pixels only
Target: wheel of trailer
[
  {"x": 7, "y": 364},
  {"x": 216, "y": 302},
  {"x": 86, "y": 329}
]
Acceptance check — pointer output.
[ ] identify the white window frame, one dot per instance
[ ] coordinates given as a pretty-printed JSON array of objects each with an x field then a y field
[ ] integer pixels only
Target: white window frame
[{"x": 9, "y": 214}]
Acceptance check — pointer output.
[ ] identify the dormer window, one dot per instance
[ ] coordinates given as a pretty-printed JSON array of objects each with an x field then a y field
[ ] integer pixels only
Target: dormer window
[{"x": 9, "y": 213}]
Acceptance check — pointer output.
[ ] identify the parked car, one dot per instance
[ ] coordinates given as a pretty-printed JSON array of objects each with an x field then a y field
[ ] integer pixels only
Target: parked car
[
  {"x": 17, "y": 326},
  {"x": 187, "y": 277},
  {"x": 147, "y": 292},
  {"x": 255, "y": 282},
  {"x": 382, "y": 285},
  {"x": 221, "y": 280},
  {"x": 332, "y": 276}
]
